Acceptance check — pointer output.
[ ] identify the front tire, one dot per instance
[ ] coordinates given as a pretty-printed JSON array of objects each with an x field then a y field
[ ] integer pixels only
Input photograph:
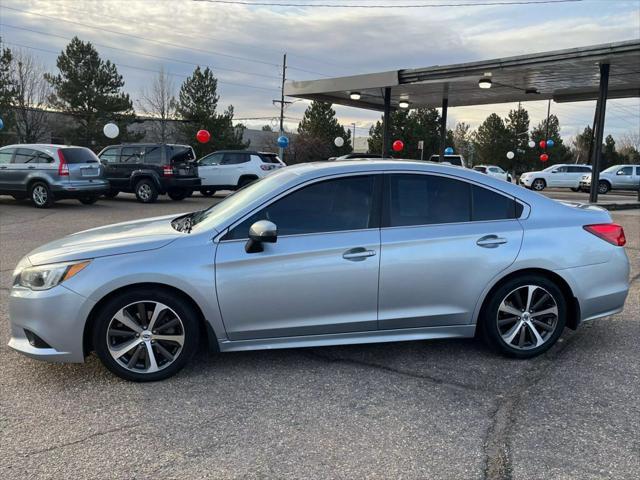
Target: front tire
[
  {"x": 207, "y": 192},
  {"x": 41, "y": 195},
  {"x": 538, "y": 184},
  {"x": 146, "y": 191},
  {"x": 575, "y": 189},
  {"x": 603, "y": 187},
  {"x": 524, "y": 317},
  {"x": 146, "y": 335}
]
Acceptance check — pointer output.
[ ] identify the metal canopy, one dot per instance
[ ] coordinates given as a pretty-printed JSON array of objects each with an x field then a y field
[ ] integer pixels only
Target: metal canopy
[{"x": 563, "y": 75}]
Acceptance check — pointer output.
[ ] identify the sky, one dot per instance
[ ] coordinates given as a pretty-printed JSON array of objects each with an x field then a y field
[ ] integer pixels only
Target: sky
[{"x": 244, "y": 45}]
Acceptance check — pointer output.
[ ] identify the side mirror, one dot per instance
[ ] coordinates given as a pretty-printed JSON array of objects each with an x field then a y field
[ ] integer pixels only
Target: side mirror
[
  {"x": 263, "y": 231},
  {"x": 620, "y": 172}
]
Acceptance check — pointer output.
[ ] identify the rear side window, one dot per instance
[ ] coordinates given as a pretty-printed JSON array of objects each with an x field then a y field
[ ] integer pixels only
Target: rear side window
[
  {"x": 266, "y": 158},
  {"x": 637, "y": 170},
  {"x": 44, "y": 158},
  {"x": 182, "y": 153},
  {"x": 5, "y": 155},
  {"x": 132, "y": 154},
  {"x": 26, "y": 155},
  {"x": 489, "y": 205},
  {"x": 234, "y": 158},
  {"x": 79, "y": 155},
  {"x": 110, "y": 155}
]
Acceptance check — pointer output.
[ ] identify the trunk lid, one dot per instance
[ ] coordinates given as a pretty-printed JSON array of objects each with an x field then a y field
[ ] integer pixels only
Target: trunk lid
[
  {"x": 80, "y": 163},
  {"x": 182, "y": 160}
]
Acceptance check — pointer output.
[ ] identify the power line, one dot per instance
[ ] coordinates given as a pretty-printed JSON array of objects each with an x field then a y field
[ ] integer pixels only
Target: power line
[{"x": 379, "y": 6}]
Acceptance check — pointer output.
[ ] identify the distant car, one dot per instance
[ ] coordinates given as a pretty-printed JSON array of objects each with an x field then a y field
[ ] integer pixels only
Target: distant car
[
  {"x": 494, "y": 171},
  {"x": 46, "y": 173},
  {"x": 233, "y": 169},
  {"x": 560, "y": 175},
  {"x": 617, "y": 177},
  {"x": 457, "y": 160},
  {"x": 151, "y": 169},
  {"x": 355, "y": 155}
]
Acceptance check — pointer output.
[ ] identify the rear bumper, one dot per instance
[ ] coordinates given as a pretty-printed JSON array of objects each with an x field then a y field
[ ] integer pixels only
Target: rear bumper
[
  {"x": 80, "y": 188},
  {"x": 190, "y": 182}
]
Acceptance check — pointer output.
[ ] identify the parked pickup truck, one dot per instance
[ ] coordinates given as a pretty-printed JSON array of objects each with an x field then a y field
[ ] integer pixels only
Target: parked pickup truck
[{"x": 617, "y": 177}]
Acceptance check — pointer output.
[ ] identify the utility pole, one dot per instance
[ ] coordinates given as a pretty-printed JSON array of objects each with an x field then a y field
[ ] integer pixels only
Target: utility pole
[
  {"x": 282, "y": 104},
  {"x": 353, "y": 142}
]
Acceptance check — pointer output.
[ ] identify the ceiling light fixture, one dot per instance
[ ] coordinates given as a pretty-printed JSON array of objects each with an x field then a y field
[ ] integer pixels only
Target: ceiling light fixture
[
  {"x": 354, "y": 96},
  {"x": 403, "y": 104},
  {"x": 484, "y": 82}
]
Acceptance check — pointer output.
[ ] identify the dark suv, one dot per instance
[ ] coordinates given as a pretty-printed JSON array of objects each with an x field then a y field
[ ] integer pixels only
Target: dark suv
[{"x": 150, "y": 169}]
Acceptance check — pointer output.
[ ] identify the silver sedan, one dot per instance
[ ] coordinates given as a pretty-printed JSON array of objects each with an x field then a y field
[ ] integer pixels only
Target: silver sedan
[{"x": 324, "y": 254}]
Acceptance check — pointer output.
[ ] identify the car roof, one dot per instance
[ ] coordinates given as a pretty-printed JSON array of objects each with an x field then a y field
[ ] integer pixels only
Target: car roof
[
  {"x": 50, "y": 148},
  {"x": 144, "y": 144}
]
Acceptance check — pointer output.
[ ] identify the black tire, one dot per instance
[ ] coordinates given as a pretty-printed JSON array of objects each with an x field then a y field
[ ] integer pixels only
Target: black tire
[
  {"x": 88, "y": 200},
  {"x": 178, "y": 195},
  {"x": 41, "y": 195},
  {"x": 575, "y": 189},
  {"x": 244, "y": 181},
  {"x": 112, "y": 193},
  {"x": 146, "y": 191},
  {"x": 489, "y": 317},
  {"x": 538, "y": 184},
  {"x": 189, "y": 328},
  {"x": 603, "y": 187},
  {"x": 207, "y": 192}
]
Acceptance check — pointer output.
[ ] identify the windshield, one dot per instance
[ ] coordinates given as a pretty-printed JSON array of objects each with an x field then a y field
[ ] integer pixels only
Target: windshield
[
  {"x": 611, "y": 169},
  {"x": 552, "y": 167}
]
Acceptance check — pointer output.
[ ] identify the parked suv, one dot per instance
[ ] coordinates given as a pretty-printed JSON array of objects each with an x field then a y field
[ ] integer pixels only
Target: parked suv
[
  {"x": 560, "y": 175},
  {"x": 151, "y": 169},
  {"x": 457, "y": 160},
  {"x": 46, "y": 173},
  {"x": 493, "y": 171},
  {"x": 617, "y": 177},
  {"x": 233, "y": 169}
]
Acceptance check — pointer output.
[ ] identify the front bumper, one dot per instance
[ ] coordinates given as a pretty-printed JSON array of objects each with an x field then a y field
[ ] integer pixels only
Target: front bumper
[
  {"x": 81, "y": 188},
  {"x": 57, "y": 316},
  {"x": 525, "y": 182}
]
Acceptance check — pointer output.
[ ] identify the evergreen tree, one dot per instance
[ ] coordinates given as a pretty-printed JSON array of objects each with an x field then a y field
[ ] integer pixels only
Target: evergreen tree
[
  {"x": 7, "y": 96},
  {"x": 559, "y": 153},
  {"x": 517, "y": 123},
  {"x": 316, "y": 134},
  {"x": 462, "y": 143},
  {"x": 581, "y": 145},
  {"x": 609, "y": 154},
  {"x": 197, "y": 105},
  {"x": 90, "y": 90},
  {"x": 492, "y": 142}
]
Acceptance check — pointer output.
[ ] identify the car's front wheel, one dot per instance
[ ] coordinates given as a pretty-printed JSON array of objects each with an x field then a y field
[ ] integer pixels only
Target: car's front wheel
[
  {"x": 575, "y": 189},
  {"x": 207, "y": 192},
  {"x": 524, "y": 317},
  {"x": 538, "y": 184},
  {"x": 146, "y": 334},
  {"x": 603, "y": 187}
]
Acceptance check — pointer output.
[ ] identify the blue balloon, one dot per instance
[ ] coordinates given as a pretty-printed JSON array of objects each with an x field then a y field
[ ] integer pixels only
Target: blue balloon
[
  {"x": 550, "y": 143},
  {"x": 448, "y": 151},
  {"x": 1, "y": 124},
  {"x": 283, "y": 142}
]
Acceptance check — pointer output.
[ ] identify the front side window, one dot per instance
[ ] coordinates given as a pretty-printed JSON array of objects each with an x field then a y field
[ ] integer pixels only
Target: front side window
[
  {"x": 560, "y": 170},
  {"x": 211, "y": 159},
  {"x": 132, "y": 154},
  {"x": 327, "y": 206},
  {"x": 5, "y": 155},
  {"x": 235, "y": 158},
  {"x": 622, "y": 171},
  {"x": 26, "y": 155},
  {"x": 110, "y": 155}
]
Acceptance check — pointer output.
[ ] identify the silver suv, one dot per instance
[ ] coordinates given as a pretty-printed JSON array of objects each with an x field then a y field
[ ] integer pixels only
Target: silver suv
[{"x": 46, "y": 173}]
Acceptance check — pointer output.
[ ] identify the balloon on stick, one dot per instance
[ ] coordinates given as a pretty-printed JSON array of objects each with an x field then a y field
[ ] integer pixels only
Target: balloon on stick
[
  {"x": 398, "y": 145},
  {"x": 203, "y": 136},
  {"x": 510, "y": 155},
  {"x": 544, "y": 157},
  {"x": 338, "y": 142},
  {"x": 543, "y": 144},
  {"x": 550, "y": 143},
  {"x": 1, "y": 124},
  {"x": 532, "y": 144},
  {"x": 283, "y": 142},
  {"x": 448, "y": 151},
  {"x": 111, "y": 130}
]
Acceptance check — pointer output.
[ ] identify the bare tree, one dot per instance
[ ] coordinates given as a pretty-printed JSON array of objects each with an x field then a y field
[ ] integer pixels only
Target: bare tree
[
  {"x": 31, "y": 98},
  {"x": 159, "y": 102}
]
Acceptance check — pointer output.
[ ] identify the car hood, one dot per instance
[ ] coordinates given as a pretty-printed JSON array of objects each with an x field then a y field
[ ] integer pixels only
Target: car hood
[{"x": 116, "y": 239}]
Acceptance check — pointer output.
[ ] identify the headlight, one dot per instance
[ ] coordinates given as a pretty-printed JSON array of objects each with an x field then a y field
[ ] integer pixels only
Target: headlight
[{"x": 45, "y": 277}]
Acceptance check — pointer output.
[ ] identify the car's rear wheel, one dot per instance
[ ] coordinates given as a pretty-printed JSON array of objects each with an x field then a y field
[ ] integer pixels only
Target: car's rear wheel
[
  {"x": 538, "y": 184},
  {"x": 41, "y": 195},
  {"x": 575, "y": 189},
  {"x": 88, "y": 200},
  {"x": 146, "y": 335},
  {"x": 177, "y": 195},
  {"x": 146, "y": 191},
  {"x": 524, "y": 317},
  {"x": 207, "y": 192},
  {"x": 603, "y": 187}
]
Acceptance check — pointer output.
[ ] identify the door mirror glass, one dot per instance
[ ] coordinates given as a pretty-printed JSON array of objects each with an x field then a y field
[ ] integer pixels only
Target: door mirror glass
[{"x": 260, "y": 232}]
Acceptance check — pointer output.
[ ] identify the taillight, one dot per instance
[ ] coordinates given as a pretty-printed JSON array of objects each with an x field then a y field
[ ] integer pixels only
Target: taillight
[
  {"x": 609, "y": 232},
  {"x": 267, "y": 167},
  {"x": 167, "y": 171},
  {"x": 63, "y": 168}
]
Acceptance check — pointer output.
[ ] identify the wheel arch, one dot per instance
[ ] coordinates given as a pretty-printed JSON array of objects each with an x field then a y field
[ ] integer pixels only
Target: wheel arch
[
  {"x": 573, "y": 306},
  {"x": 248, "y": 176},
  {"x": 206, "y": 330},
  {"x": 145, "y": 174}
]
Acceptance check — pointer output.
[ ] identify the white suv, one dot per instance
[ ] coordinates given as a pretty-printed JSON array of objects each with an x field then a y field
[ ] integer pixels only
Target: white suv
[
  {"x": 233, "y": 169},
  {"x": 493, "y": 171},
  {"x": 561, "y": 175}
]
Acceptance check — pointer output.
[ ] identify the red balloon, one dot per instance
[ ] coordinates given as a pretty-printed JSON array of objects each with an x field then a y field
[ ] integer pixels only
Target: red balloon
[
  {"x": 543, "y": 144},
  {"x": 398, "y": 145},
  {"x": 544, "y": 157},
  {"x": 203, "y": 136}
]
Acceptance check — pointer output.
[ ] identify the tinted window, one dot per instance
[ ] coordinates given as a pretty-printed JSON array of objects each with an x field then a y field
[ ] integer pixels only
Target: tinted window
[
  {"x": 578, "y": 169},
  {"x": 559, "y": 170},
  {"x": 26, "y": 155},
  {"x": 79, "y": 155},
  {"x": 426, "y": 199},
  {"x": 266, "y": 158},
  {"x": 637, "y": 170},
  {"x": 489, "y": 205},
  {"x": 132, "y": 154},
  {"x": 211, "y": 159},
  {"x": 182, "y": 153},
  {"x": 480, "y": 169},
  {"x": 234, "y": 158},
  {"x": 44, "y": 158},
  {"x": 153, "y": 155},
  {"x": 110, "y": 155},
  {"x": 585, "y": 169},
  {"x": 624, "y": 170},
  {"x": 5, "y": 155},
  {"x": 329, "y": 206}
]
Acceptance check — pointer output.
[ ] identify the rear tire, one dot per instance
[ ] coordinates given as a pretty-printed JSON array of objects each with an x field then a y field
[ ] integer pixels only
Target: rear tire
[
  {"x": 144, "y": 356},
  {"x": 41, "y": 195},
  {"x": 513, "y": 320},
  {"x": 538, "y": 184},
  {"x": 603, "y": 187},
  {"x": 112, "y": 193},
  {"x": 146, "y": 191},
  {"x": 88, "y": 200},
  {"x": 178, "y": 195},
  {"x": 207, "y": 192}
]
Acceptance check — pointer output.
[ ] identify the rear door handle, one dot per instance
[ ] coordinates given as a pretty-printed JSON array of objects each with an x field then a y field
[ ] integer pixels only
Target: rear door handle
[
  {"x": 490, "y": 241},
  {"x": 358, "y": 254},
  {"x": 31, "y": 168}
]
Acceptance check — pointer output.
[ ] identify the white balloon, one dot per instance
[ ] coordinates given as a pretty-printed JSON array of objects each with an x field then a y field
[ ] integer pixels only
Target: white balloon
[
  {"x": 510, "y": 155},
  {"x": 339, "y": 141},
  {"x": 111, "y": 130},
  {"x": 532, "y": 144}
]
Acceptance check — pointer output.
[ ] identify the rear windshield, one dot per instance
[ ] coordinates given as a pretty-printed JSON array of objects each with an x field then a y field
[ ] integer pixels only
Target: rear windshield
[
  {"x": 452, "y": 159},
  {"x": 481, "y": 169},
  {"x": 182, "y": 153},
  {"x": 79, "y": 155},
  {"x": 267, "y": 158}
]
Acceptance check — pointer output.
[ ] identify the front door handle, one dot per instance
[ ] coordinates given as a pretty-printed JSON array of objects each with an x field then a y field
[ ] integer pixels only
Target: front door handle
[
  {"x": 490, "y": 241},
  {"x": 358, "y": 254}
]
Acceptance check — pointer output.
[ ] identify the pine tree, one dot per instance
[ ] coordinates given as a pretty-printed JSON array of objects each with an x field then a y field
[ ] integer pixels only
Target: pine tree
[
  {"x": 90, "y": 90},
  {"x": 317, "y": 132},
  {"x": 462, "y": 141},
  {"x": 197, "y": 105},
  {"x": 492, "y": 142},
  {"x": 559, "y": 153},
  {"x": 517, "y": 124},
  {"x": 582, "y": 144},
  {"x": 7, "y": 96},
  {"x": 609, "y": 154}
]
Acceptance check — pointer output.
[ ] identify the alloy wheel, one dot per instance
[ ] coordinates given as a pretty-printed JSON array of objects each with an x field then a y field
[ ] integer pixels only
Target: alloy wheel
[
  {"x": 40, "y": 195},
  {"x": 603, "y": 187},
  {"x": 145, "y": 336},
  {"x": 144, "y": 191},
  {"x": 538, "y": 185},
  {"x": 527, "y": 317}
]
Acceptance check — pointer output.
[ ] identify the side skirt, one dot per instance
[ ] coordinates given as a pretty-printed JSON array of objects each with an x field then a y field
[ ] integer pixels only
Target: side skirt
[{"x": 376, "y": 336}]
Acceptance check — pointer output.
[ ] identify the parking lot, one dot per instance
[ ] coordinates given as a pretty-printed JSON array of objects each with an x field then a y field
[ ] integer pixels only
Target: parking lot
[{"x": 438, "y": 409}]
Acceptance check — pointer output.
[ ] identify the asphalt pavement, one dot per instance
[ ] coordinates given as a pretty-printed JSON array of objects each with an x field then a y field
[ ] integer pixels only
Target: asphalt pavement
[{"x": 447, "y": 409}]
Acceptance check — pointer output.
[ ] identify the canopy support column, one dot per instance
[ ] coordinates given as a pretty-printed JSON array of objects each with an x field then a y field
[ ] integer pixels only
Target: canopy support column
[
  {"x": 386, "y": 123},
  {"x": 443, "y": 127},
  {"x": 601, "y": 106}
]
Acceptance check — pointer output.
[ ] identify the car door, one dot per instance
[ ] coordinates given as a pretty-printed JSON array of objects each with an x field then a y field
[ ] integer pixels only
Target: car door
[
  {"x": 6, "y": 156},
  {"x": 208, "y": 169},
  {"x": 110, "y": 159},
  {"x": 320, "y": 277},
  {"x": 131, "y": 159},
  {"x": 443, "y": 240},
  {"x": 624, "y": 178},
  {"x": 232, "y": 167},
  {"x": 558, "y": 177},
  {"x": 24, "y": 161}
]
